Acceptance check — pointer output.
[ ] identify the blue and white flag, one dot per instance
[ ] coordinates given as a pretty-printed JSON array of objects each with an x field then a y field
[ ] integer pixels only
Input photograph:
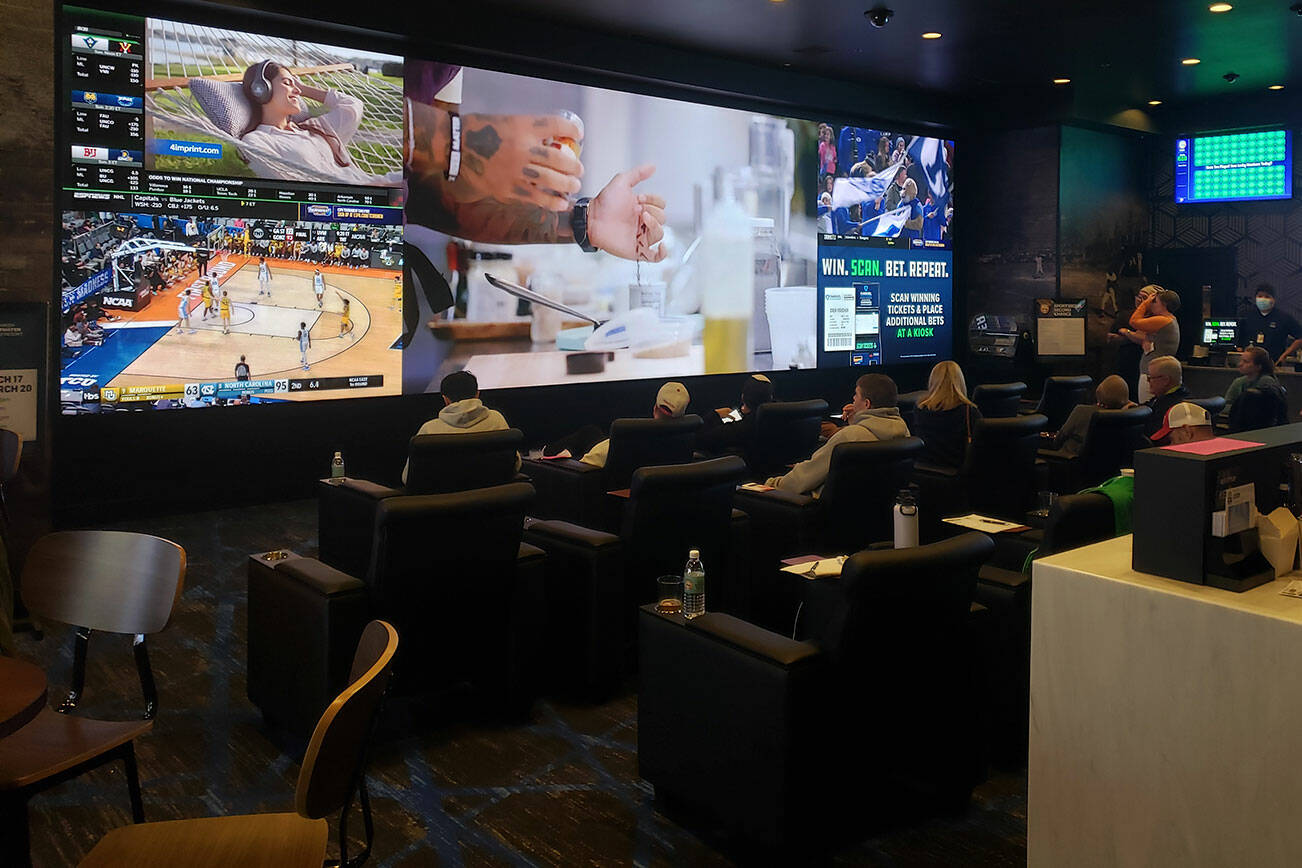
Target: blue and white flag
[
  {"x": 929, "y": 154},
  {"x": 886, "y": 225},
  {"x": 857, "y": 191}
]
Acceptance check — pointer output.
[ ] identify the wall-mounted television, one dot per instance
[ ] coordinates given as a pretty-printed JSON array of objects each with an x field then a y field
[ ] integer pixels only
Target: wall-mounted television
[
  {"x": 1244, "y": 166},
  {"x": 302, "y": 194}
]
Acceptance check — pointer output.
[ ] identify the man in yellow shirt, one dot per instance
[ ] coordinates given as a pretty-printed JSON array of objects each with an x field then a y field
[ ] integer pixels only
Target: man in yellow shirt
[
  {"x": 225, "y": 310},
  {"x": 205, "y": 293}
]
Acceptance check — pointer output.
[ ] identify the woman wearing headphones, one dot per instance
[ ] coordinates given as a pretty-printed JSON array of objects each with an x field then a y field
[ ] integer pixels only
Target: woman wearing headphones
[{"x": 318, "y": 146}]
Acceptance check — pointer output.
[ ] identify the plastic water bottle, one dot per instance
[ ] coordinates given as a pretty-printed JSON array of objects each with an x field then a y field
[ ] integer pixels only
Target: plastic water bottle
[
  {"x": 337, "y": 466},
  {"x": 906, "y": 519},
  {"x": 694, "y": 585}
]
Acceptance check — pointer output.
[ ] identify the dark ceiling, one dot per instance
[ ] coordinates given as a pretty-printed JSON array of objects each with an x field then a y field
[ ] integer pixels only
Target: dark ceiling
[
  {"x": 995, "y": 57},
  {"x": 1118, "y": 54}
]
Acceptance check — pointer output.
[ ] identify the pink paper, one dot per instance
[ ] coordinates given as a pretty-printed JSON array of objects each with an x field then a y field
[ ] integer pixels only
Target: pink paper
[
  {"x": 1215, "y": 446},
  {"x": 564, "y": 453}
]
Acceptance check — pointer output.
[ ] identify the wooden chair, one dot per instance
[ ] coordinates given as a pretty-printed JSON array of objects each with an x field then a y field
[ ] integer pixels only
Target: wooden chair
[
  {"x": 333, "y": 769},
  {"x": 96, "y": 580}
]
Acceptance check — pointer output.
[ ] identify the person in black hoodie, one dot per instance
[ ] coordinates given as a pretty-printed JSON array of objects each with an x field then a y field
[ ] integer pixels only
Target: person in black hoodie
[
  {"x": 946, "y": 417},
  {"x": 728, "y": 431}
]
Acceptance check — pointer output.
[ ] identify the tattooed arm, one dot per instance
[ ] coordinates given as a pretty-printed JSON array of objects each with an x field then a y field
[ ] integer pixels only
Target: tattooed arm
[{"x": 510, "y": 188}]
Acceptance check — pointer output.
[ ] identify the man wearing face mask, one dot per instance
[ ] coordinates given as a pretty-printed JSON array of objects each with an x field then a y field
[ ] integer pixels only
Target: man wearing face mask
[{"x": 1269, "y": 327}]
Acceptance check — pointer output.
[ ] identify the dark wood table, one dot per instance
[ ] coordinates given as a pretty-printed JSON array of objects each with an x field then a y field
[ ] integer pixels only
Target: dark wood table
[{"x": 22, "y": 693}]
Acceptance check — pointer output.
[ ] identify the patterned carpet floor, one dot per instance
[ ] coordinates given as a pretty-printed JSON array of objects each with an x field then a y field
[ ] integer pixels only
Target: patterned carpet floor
[{"x": 449, "y": 788}]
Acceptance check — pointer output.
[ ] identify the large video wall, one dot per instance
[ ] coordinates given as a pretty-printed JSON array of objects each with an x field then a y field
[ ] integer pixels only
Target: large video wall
[{"x": 251, "y": 219}]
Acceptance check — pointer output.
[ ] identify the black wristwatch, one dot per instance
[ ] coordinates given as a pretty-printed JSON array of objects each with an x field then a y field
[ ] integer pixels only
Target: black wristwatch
[{"x": 579, "y": 225}]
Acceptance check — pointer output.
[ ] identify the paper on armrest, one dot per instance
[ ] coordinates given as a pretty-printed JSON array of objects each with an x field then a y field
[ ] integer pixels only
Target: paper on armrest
[{"x": 821, "y": 568}]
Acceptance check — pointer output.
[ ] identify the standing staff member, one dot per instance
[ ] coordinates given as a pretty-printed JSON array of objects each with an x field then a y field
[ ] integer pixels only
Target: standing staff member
[
  {"x": 1270, "y": 328},
  {"x": 1154, "y": 322}
]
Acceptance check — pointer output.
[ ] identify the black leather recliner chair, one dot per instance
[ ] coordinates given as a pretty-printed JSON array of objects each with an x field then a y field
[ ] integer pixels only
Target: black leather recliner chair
[
  {"x": 1004, "y": 588},
  {"x": 998, "y": 400},
  {"x": 436, "y": 464},
  {"x": 1258, "y": 408},
  {"x": 853, "y": 511},
  {"x": 997, "y": 477},
  {"x": 785, "y": 743},
  {"x": 449, "y": 571},
  {"x": 573, "y": 491},
  {"x": 596, "y": 581},
  {"x": 785, "y": 432},
  {"x": 1060, "y": 397},
  {"x": 1110, "y": 444}
]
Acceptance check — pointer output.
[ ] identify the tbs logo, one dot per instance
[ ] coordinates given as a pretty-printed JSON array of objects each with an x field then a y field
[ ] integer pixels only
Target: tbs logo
[{"x": 319, "y": 210}]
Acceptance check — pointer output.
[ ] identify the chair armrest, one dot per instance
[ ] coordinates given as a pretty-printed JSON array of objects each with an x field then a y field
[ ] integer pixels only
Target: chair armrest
[
  {"x": 760, "y": 704},
  {"x": 586, "y": 623},
  {"x": 920, "y": 468},
  {"x": 765, "y": 644},
  {"x": 346, "y": 521},
  {"x": 320, "y": 578},
  {"x": 1009, "y": 580},
  {"x": 748, "y": 500},
  {"x": 304, "y": 621},
  {"x": 1055, "y": 455},
  {"x": 362, "y": 487},
  {"x": 568, "y": 489},
  {"x": 543, "y": 532}
]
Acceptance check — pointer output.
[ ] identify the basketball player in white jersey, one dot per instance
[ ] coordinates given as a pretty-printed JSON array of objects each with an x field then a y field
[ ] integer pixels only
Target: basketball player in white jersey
[
  {"x": 304, "y": 343},
  {"x": 264, "y": 277},
  {"x": 318, "y": 286}
]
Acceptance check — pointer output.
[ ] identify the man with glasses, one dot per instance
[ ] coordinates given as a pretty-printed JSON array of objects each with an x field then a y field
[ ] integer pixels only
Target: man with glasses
[{"x": 1165, "y": 381}]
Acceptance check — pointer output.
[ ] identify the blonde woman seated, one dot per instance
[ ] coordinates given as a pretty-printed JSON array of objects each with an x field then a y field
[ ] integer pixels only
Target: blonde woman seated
[{"x": 945, "y": 418}]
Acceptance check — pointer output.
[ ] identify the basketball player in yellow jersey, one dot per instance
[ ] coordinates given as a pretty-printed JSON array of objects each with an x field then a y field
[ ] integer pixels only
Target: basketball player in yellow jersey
[
  {"x": 225, "y": 309},
  {"x": 206, "y": 294},
  {"x": 346, "y": 319},
  {"x": 397, "y": 293}
]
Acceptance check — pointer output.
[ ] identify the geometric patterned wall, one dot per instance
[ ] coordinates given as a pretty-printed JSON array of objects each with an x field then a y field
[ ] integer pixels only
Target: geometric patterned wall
[{"x": 1267, "y": 235}]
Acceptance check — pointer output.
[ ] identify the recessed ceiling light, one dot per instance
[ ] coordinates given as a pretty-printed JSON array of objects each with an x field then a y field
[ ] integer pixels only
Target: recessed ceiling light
[
  {"x": 1062, "y": 81},
  {"x": 931, "y": 34},
  {"x": 1154, "y": 102},
  {"x": 1191, "y": 61},
  {"x": 1275, "y": 87},
  {"x": 1219, "y": 7}
]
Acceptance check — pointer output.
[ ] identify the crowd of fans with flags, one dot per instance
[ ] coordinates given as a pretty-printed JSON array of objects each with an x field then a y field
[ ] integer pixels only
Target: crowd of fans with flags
[{"x": 879, "y": 184}]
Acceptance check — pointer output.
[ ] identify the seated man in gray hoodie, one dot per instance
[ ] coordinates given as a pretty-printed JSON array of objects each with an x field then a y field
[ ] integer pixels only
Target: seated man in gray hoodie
[
  {"x": 872, "y": 415},
  {"x": 463, "y": 412}
]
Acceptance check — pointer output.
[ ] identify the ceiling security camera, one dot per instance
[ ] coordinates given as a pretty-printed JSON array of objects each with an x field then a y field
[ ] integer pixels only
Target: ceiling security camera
[
  {"x": 879, "y": 16},
  {"x": 1231, "y": 77}
]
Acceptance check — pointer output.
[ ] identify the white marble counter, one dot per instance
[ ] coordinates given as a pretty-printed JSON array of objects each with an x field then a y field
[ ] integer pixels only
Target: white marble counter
[{"x": 1166, "y": 718}]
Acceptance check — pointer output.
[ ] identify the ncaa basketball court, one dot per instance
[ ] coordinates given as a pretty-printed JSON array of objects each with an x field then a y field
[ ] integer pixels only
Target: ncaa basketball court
[{"x": 147, "y": 349}]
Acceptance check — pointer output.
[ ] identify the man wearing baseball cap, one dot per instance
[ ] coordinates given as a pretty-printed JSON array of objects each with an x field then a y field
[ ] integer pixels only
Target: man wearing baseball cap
[
  {"x": 671, "y": 403},
  {"x": 1184, "y": 423}
]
